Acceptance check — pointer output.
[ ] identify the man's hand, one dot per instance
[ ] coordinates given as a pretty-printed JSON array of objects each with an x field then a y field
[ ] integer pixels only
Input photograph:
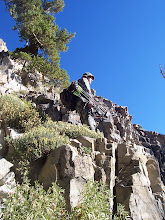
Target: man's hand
[
  {"x": 90, "y": 104},
  {"x": 75, "y": 84},
  {"x": 107, "y": 114}
]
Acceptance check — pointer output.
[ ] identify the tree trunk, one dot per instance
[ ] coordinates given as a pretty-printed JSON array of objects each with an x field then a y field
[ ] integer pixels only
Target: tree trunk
[{"x": 33, "y": 46}]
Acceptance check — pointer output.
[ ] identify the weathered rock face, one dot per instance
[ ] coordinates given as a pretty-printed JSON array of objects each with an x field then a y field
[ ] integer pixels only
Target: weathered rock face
[
  {"x": 70, "y": 170},
  {"x": 13, "y": 77},
  {"x": 131, "y": 162},
  {"x": 118, "y": 127},
  {"x": 138, "y": 183},
  {"x": 47, "y": 102},
  {"x": 129, "y": 159},
  {"x": 3, "y": 46},
  {"x": 10, "y": 79},
  {"x": 7, "y": 179},
  {"x": 155, "y": 144}
]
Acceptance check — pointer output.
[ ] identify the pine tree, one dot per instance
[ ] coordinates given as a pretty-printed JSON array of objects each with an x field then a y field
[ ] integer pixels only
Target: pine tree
[{"x": 35, "y": 23}]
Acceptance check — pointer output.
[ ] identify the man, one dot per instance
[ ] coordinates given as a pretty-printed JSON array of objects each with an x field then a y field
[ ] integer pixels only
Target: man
[{"x": 84, "y": 103}]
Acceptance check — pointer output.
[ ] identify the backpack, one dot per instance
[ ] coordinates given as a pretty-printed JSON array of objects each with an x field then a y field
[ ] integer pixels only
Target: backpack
[{"x": 68, "y": 99}]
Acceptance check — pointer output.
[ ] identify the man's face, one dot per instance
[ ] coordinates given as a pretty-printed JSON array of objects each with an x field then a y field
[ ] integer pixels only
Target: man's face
[{"x": 90, "y": 79}]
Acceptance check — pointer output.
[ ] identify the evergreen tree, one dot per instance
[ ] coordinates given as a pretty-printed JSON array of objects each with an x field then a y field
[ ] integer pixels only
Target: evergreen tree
[{"x": 35, "y": 23}]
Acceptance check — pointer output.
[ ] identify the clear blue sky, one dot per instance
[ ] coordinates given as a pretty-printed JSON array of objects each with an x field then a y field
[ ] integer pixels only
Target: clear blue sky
[{"x": 122, "y": 42}]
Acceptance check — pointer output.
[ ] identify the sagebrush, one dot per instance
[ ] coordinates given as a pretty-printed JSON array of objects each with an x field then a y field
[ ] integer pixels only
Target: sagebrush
[
  {"x": 71, "y": 130},
  {"x": 18, "y": 114}
]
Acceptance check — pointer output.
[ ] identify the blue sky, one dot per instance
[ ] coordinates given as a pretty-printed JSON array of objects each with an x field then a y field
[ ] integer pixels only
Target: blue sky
[{"x": 122, "y": 42}]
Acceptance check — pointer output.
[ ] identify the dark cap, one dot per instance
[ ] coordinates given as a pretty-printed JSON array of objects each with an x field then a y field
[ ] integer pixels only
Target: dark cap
[{"x": 87, "y": 74}]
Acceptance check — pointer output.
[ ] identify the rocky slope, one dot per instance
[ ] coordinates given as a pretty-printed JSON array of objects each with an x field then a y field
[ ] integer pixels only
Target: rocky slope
[{"x": 129, "y": 159}]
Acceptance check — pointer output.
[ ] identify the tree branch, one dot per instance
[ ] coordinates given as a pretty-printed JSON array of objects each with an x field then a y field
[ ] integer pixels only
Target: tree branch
[
  {"x": 161, "y": 71},
  {"x": 38, "y": 40}
]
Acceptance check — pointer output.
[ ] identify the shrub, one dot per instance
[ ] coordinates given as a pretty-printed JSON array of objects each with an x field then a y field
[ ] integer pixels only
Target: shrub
[
  {"x": 71, "y": 130},
  {"x": 94, "y": 203},
  {"x": 33, "y": 202},
  {"x": 33, "y": 145},
  {"x": 17, "y": 113},
  {"x": 36, "y": 143}
]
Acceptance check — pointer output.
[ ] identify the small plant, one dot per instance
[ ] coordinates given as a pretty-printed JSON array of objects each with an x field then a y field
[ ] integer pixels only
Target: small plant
[
  {"x": 86, "y": 150},
  {"x": 18, "y": 114},
  {"x": 121, "y": 213}
]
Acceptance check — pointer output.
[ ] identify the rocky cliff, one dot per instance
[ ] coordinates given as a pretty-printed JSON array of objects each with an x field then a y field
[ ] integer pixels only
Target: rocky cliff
[{"x": 129, "y": 159}]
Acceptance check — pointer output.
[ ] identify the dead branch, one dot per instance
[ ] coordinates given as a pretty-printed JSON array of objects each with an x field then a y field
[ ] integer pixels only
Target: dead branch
[{"x": 161, "y": 71}]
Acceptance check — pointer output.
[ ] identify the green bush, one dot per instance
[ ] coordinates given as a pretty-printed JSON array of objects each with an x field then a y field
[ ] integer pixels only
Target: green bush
[
  {"x": 71, "y": 130},
  {"x": 94, "y": 203},
  {"x": 121, "y": 213},
  {"x": 17, "y": 113},
  {"x": 35, "y": 143},
  {"x": 33, "y": 203}
]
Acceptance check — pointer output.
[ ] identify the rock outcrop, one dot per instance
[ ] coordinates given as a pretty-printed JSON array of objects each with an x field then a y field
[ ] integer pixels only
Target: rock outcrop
[
  {"x": 3, "y": 46},
  {"x": 138, "y": 184},
  {"x": 10, "y": 79},
  {"x": 7, "y": 178},
  {"x": 70, "y": 170},
  {"x": 129, "y": 159}
]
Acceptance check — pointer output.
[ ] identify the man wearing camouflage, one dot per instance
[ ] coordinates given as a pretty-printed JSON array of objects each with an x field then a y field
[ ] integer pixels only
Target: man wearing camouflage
[{"x": 84, "y": 103}]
